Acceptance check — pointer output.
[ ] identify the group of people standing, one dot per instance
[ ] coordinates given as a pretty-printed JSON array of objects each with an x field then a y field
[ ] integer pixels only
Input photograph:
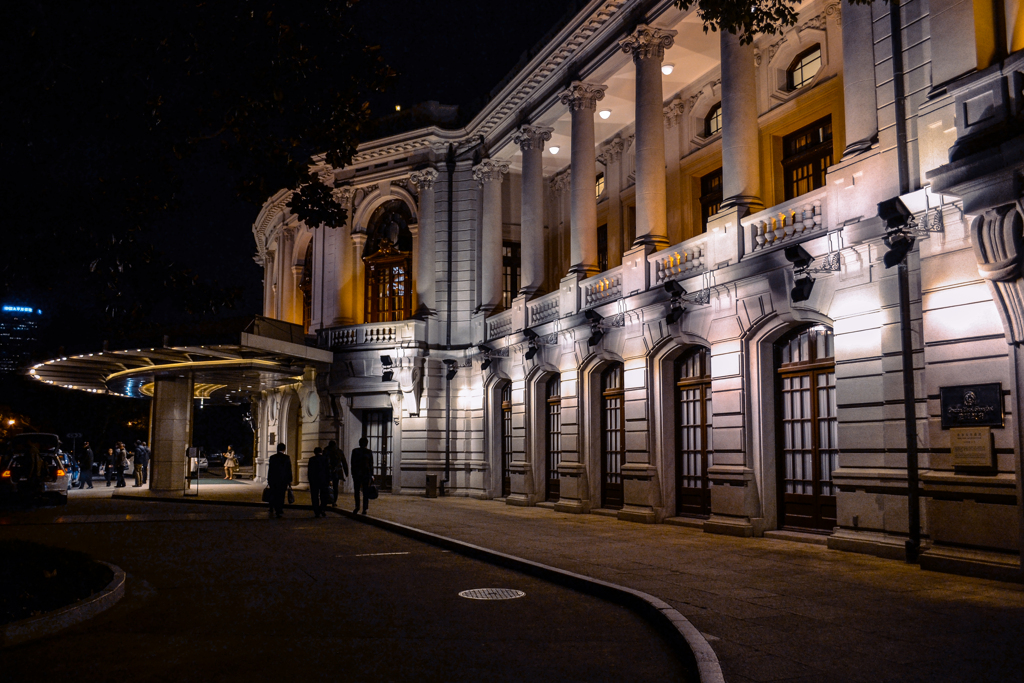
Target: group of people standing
[
  {"x": 327, "y": 470},
  {"x": 114, "y": 463}
]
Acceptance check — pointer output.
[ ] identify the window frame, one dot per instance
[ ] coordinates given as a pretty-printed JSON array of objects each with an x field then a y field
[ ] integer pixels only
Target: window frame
[
  {"x": 791, "y": 84},
  {"x": 714, "y": 114}
]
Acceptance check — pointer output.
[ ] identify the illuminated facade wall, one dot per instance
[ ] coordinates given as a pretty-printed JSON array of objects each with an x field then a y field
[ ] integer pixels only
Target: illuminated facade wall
[{"x": 708, "y": 159}]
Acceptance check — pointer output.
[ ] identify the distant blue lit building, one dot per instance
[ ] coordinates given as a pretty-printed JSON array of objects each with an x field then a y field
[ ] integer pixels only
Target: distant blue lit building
[{"x": 19, "y": 327}]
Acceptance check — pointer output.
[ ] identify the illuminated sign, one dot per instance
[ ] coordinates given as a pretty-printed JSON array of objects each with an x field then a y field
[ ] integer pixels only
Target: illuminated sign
[{"x": 21, "y": 309}]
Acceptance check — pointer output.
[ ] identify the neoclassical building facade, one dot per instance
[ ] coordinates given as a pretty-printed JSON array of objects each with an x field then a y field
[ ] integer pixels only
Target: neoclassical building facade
[{"x": 652, "y": 279}]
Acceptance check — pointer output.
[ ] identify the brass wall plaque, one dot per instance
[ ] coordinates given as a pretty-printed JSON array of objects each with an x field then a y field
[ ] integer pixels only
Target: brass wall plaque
[
  {"x": 971, "y": 446},
  {"x": 972, "y": 405}
]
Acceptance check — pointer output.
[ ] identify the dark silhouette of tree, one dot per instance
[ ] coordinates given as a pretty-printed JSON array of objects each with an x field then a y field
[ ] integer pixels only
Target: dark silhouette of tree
[{"x": 747, "y": 18}]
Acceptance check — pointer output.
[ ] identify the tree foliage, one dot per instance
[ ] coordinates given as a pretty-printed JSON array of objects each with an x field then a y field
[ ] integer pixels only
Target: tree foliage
[
  {"x": 112, "y": 106},
  {"x": 747, "y": 18}
]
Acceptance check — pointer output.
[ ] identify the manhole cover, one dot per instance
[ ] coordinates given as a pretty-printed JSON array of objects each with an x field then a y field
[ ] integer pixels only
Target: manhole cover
[{"x": 492, "y": 594}]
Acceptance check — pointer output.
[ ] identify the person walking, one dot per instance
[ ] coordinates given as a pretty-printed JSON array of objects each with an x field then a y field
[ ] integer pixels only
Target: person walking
[
  {"x": 85, "y": 461},
  {"x": 339, "y": 469},
  {"x": 230, "y": 463},
  {"x": 120, "y": 462},
  {"x": 362, "y": 472},
  {"x": 142, "y": 457},
  {"x": 108, "y": 466},
  {"x": 279, "y": 479},
  {"x": 319, "y": 475},
  {"x": 138, "y": 465}
]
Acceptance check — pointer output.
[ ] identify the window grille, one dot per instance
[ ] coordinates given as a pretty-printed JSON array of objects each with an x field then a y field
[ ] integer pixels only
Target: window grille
[
  {"x": 710, "y": 196},
  {"x": 613, "y": 437},
  {"x": 806, "y": 156},
  {"x": 713, "y": 121},
  {"x": 804, "y": 68},
  {"x": 554, "y": 437}
]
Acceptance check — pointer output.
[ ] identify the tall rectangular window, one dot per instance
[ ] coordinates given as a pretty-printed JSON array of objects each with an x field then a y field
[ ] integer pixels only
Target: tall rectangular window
[
  {"x": 511, "y": 265},
  {"x": 710, "y": 197},
  {"x": 602, "y": 247},
  {"x": 806, "y": 156}
]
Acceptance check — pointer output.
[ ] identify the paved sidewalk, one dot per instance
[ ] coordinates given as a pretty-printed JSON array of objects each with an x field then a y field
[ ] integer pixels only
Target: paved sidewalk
[{"x": 773, "y": 610}]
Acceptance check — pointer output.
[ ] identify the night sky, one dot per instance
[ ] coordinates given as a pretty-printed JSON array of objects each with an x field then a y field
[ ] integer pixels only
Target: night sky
[{"x": 453, "y": 52}]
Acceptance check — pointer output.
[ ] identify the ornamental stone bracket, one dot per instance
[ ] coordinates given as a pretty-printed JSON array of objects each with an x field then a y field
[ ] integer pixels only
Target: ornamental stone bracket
[
  {"x": 409, "y": 374},
  {"x": 648, "y": 42},
  {"x": 998, "y": 239},
  {"x": 532, "y": 137},
  {"x": 490, "y": 170}
]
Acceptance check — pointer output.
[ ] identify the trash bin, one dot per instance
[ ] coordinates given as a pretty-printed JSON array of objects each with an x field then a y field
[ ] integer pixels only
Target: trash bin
[{"x": 431, "y": 486}]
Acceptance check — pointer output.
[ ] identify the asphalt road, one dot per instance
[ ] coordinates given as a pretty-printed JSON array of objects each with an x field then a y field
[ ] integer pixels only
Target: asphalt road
[{"x": 226, "y": 594}]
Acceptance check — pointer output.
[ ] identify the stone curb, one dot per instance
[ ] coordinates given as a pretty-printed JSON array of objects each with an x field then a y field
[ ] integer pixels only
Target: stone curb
[
  {"x": 47, "y": 624},
  {"x": 662, "y": 615}
]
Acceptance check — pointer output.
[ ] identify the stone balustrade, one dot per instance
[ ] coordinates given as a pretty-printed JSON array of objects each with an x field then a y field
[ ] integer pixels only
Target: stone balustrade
[
  {"x": 606, "y": 286},
  {"x": 543, "y": 309},
  {"x": 784, "y": 224},
  {"x": 351, "y": 337},
  {"x": 683, "y": 260}
]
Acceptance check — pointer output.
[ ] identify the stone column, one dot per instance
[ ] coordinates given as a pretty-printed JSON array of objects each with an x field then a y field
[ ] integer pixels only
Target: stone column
[
  {"x": 858, "y": 79},
  {"x": 647, "y": 45},
  {"x": 343, "y": 280},
  {"x": 426, "y": 255},
  {"x": 582, "y": 98},
  {"x": 268, "y": 284},
  {"x": 358, "y": 278},
  {"x": 286, "y": 287},
  {"x": 489, "y": 173},
  {"x": 171, "y": 432},
  {"x": 674, "y": 207},
  {"x": 612, "y": 153},
  {"x": 531, "y": 141},
  {"x": 741, "y": 180}
]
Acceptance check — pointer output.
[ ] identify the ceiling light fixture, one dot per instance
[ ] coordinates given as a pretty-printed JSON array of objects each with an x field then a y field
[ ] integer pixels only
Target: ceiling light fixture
[
  {"x": 667, "y": 68},
  {"x": 554, "y": 149},
  {"x": 604, "y": 113}
]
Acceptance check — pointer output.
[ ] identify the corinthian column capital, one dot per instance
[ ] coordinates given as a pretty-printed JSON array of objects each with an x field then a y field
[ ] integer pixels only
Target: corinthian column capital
[
  {"x": 424, "y": 180},
  {"x": 582, "y": 95},
  {"x": 343, "y": 194},
  {"x": 532, "y": 137},
  {"x": 490, "y": 170},
  {"x": 647, "y": 42}
]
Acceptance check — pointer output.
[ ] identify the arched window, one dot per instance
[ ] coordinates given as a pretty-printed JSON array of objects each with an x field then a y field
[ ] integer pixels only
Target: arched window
[
  {"x": 613, "y": 436},
  {"x": 306, "y": 287},
  {"x": 506, "y": 439},
  {"x": 804, "y": 68},
  {"x": 693, "y": 436},
  {"x": 807, "y": 428},
  {"x": 388, "y": 259},
  {"x": 553, "y": 423},
  {"x": 713, "y": 121}
]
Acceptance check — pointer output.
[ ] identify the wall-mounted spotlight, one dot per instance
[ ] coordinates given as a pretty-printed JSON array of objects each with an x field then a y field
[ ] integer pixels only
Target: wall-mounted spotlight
[
  {"x": 531, "y": 352},
  {"x": 530, "y": 334},
  {"x": 386, "y": 361},
  {"x": 802, "y": 289},
  {"x": 596, "y": 335},
  {"x": 593, "y": 316},
  {"x": 388, "y": 374},
  {"x": 799, "y": 257},
  {"x": 675, "y": 314},
  {"x": 486, "y": 364},
  {"x": 674, "y": 289},
  {"x": 453, "y": 369},
  {"x": 894, "y": 213}
]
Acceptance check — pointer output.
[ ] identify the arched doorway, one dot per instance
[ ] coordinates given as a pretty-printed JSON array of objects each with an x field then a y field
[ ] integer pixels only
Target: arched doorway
[
  {"x": 506, "y": 439},
  {"x": 692, "y": 372},
  {"x": 613, "y": 436},
  {"x": 388, "y": 259},
  {"x": 553, "y": 442},
  {"x": 806, "y": 428}
]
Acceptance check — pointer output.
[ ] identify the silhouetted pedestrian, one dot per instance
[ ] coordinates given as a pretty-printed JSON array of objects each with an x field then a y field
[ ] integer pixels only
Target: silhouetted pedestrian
[
  {"x": 339, "y": 469},
  {"x": 120, "y": 462},
  {"x": 85, "y": 461},
  {"x": 362, "y": 473},
  {"x": 319, "y": 475},
  {"x": 279, "y": 479}
]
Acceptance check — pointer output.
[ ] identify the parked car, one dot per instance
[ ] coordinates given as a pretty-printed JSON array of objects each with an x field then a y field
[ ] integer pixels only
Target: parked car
[
  {"x": 17, "y": 477},
  {"x": 215, "y": 459},
  {"x": 71, "y": 465}
]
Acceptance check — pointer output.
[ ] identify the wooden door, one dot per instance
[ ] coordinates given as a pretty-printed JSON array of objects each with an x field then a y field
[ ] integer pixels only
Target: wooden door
[
  {"x": 613, "y": 437},
  {"x": 693, "y": 450},
  {"x": 553, "y": 423},
  {"x": 377, "y": 430},
  {"x": 807, "y": 429},
  {"x": 506, "y": 439}
]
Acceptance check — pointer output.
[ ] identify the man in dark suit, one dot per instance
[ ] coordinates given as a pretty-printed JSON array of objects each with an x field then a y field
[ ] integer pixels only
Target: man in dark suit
[
  {"x": 85, "y": 461},
  {"x": 362, "y": 472},
  {"x": 318, "y": 472},
  {"x": 279, "y": 479}
]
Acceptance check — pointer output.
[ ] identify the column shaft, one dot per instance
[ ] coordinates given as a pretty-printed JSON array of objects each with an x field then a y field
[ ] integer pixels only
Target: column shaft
[
  {"x": 741, "y": 180},
  {"x": 490, "y": 173},
  {"x": 171, "y": 432},
  {"x": 531, "y": 141},
  {"x": 426, "y": 255},
  {"x": 859, "y": 79},
  {"x": 358, "y": 289},
  {"x": 582, "y": 100}
]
